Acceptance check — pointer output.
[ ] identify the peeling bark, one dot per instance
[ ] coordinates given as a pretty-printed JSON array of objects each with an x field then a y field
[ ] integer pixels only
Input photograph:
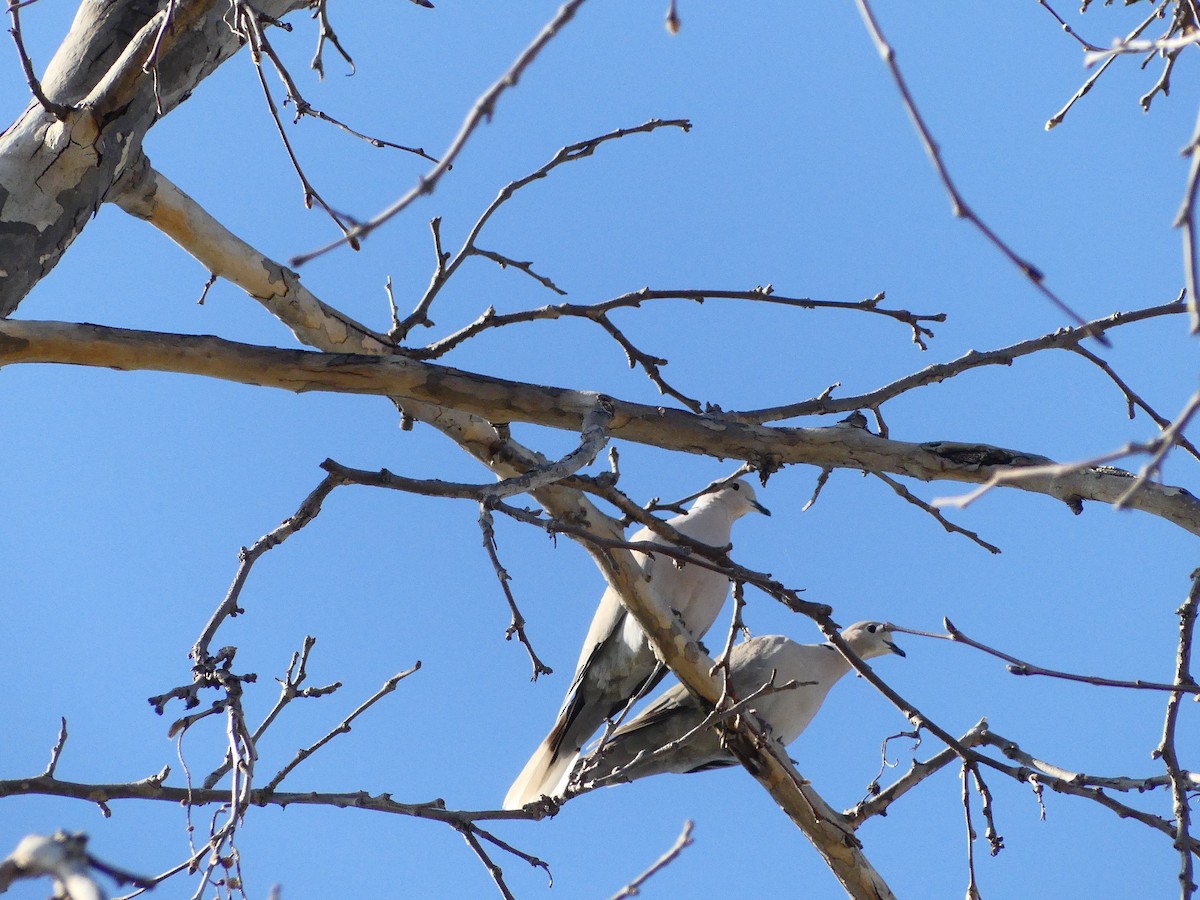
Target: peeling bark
[{"x": 55, "y": 174}]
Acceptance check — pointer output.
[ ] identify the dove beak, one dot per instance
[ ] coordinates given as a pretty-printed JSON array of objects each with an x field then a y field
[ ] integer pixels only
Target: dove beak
[
  {"x": 895, "y": 649},
  {"x": 762, "y": 509}
]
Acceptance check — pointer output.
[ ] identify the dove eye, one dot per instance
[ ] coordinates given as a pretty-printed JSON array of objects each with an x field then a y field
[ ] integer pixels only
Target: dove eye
[{"x": 872, "y": 628}]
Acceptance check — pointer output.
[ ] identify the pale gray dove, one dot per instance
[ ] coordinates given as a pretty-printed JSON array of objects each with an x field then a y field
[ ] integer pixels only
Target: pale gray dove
[
  {"x": 616, "y": 662},
  {"x": 767, "y": 660}
]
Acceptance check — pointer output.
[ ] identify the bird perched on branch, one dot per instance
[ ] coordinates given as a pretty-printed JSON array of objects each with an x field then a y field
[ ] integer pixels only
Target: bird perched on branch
[
  {"x": 768, "y": 664},
  {"x": 616, "y": 662}
]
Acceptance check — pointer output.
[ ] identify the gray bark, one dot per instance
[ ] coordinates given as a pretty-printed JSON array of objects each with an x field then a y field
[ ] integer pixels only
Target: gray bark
[{"x": 54, "y": 174}]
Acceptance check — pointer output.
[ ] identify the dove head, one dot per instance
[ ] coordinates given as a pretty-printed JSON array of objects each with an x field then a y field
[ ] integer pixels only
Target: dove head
[
  {"x": 870, "y": 639},
  {"x": 737, "y": 497}
]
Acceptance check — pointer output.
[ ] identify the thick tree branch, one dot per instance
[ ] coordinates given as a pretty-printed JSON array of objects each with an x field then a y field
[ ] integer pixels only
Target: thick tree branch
[
  {"x": 149, "y": 195},
  {"x": 839, "y": 446},
  {"x": 56, "y": 173}
]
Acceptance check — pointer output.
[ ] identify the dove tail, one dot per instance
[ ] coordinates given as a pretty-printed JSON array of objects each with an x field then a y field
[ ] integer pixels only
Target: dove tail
[
  {"x": 554, "y": 757},
  {"x": 541, "y": 775}
]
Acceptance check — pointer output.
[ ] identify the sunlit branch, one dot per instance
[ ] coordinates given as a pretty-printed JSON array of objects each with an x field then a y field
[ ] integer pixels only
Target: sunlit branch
[{"x": 469, "y": 394}]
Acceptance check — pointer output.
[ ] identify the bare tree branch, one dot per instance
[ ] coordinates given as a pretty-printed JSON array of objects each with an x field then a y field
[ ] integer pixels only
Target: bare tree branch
[
  {"x": 960, "y": 208},
  {"x": 1021, "y": 667},
  {"x": 916, "y": 501},
  {"x": 341, "y": 728},
  {"x": 1168, "y": 750},
  {"x": 634, "y": 888},
  {"x": 58, "y": 110},
  {"x": 599, "y": 313},
  {"x": 517, "y": 624},
  {"x": 290, "y": 684},
  {"x": 447, "y": 266},
  {"x": 878, "y": 801},
  {"x": 1056, "y": 119},
  {"x": 478, "y": 395},
  {"x": 481, "y": 112},
  {"x": 1062, "y": 339}
]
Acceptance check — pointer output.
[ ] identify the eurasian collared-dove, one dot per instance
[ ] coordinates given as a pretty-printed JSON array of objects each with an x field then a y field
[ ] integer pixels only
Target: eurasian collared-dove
[
  {"x": 767, "y": 660},
  {"x": 616, "y": 662}
]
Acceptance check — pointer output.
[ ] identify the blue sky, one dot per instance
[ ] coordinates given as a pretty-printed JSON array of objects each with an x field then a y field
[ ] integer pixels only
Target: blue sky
[{"x": 127, "y": 496}]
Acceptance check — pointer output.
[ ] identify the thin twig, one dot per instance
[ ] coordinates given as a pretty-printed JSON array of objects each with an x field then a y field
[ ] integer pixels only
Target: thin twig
[
  {"x": 325, "y": 33},
  {"x": 958, "y": 205},
  {"x": 822, "y": 480},
  {"x": 341, "y": 728},
  {"x": 878, "y": 801},
  {"x": 302, "y": 107},
  {"x": 1086, "y": 87},
  {"x": 446, "y": 265},
  {"x": 1133, "y": 399},
  {"x": 634, "y": 300},
  {"x": 1159, "y": 448},
  {"x": 1185, "y": 221},
  {"x": 467, "y": 830},
  {"x": 57, "y": 750},
  {"x": 1061, "y": 339},
  {"x": 58, "y": 110},
  {"x": 520, "y": 854},
  {"x": 297, "y": 673},
  {"x": 972, "y": 885},
  {"x": 1020, "y": 667},
  {"x": 308, "y": 510},
  {"x": 517, "y": 624},
  {"x": 995, "y": 841},
  {"x": 634, "y": 888},
  {"x": 916, "y": 501},
  {"x": 1021, "y": 774},
  {"x": 259, "y": 45},
  {"x": 1067, "y": 28}
]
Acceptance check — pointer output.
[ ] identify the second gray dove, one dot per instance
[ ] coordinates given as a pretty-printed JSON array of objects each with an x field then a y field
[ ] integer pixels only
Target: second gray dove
[{"x": 637, "y": 748}]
